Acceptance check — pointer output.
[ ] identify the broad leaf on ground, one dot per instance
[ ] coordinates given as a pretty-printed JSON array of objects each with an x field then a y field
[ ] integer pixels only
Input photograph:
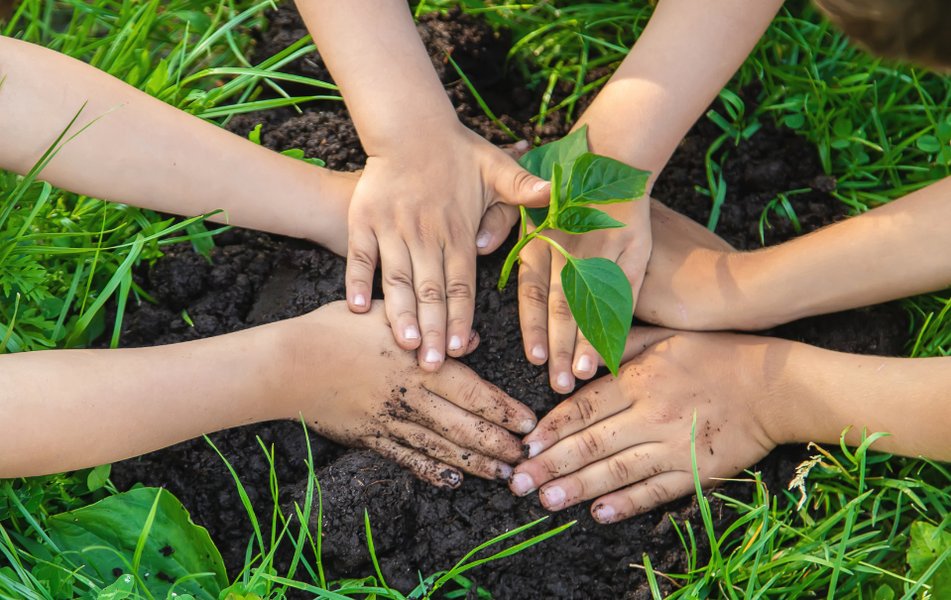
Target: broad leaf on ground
[
  {"x": 927, "y": 545},
  {"x": 600, "y": 297}
]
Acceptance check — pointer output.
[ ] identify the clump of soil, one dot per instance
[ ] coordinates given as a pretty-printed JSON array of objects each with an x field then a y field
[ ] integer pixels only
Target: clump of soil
[{"x": 254, "y": 278}]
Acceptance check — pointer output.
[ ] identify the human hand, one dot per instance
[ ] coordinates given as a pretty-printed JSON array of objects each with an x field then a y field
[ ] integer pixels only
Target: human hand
[
  {"x": 548, "y": 327},
  {"x": 626, "y": 440},
  {"x": 420, "y": 212},
  {"x": 369, "y": 393}
]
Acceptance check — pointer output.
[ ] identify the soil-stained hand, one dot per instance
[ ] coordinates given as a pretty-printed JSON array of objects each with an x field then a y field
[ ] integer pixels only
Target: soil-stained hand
[
  {"x": 420, "y": 213},
  {"x": 626, "y": 440},
  {"x": 548, "y": 328},
  {"x": 370, "y": 393}
]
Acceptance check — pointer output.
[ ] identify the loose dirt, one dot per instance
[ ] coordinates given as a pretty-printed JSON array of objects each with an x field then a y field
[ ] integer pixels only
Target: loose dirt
[{"x": 254, "y": 278}]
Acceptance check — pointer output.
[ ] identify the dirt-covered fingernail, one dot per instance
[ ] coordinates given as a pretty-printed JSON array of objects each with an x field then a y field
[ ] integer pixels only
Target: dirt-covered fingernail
[
  {"x": 532, "y": 449},
  {"x": 455, "y": 342},
  {"x": 584, "y": 363},
  {"x": 432, "y": 356},
  {"x": 522, "y": 484},
  {"x": 564, "y": 380},
  {"x": 451, "y": 478},
  {"x": 539, "y": 352},
  {"x": 542, "y": 185},
  {"x": 411, "y": 333},
  {"x": 483, "y": 239},
  {"x": 503, "y": 471},
  {"x": 360, "y": 300},
  {"x": 526, "y": 426},
  {"x": 554, "y": 497},
  {"x": 604, "y": 513}
]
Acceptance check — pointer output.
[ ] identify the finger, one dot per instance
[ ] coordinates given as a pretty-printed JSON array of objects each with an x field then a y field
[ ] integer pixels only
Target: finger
[
  {"x": 495, "y": 227},
  {"x": 441, "y": 449},
  {"x": 398, "y": 293},
  {"x": 430, "y": 291},
  {"x": 458, "y": 384},
  {"x": 593, "y": 403},
  {"x": 562, "y": 331},
  {"x": 586, "y": 359},
  {"x": 460, "y": 272},
  {"x": 533, "y": 281},
  {"x": 423, "y": 467},
  {"x": 362, "y": 254},
  {"x": 515, "y": 185},
  {"x": 640, "y": 339},
  {"x": 474, "y": 340},
  {"x": 516, "y": 150},
  {"x": 608, "y": 473},
  {"x": 456, "y": 425},
  {"x": 643, "y": 497}
]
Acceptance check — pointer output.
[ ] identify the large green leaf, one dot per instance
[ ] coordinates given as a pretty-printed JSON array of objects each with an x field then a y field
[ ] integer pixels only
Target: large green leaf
[
  {"x": 565, "y": 152},
  {"x": 106, "y": 532},
  {"x": 601, "y": 180},
  {"x": 581, "y": 219},
  {"x": 602, "y": 304},
  {"x": 928, "y": 545}
]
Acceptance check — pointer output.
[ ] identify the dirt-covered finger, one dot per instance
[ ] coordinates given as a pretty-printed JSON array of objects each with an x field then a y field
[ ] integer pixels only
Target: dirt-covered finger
[
  {"x": 462, "y": 387},
  {"x": 612, "y": 470},
  {"x": 398, "y": 293},
  {"x": 642, "y": 497},
  {"x": 460, "y": 269},
  {"x": 437, "y": 446},
  {"x": 362, "y": 254},
  {"x": 533, "y": 282},
  {"x": 423, "y": 467}
]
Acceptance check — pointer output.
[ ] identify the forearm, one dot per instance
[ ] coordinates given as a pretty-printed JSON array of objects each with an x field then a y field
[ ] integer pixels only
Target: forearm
[
  {"x": 71, "y": 409},
  {"x": 146, "y": 153},
  {"x": 385, "y": 75},
  {"x": 687, "y": 53},
  {"x": 819, "y": 393},
  {"x": 894, "y": 251}
]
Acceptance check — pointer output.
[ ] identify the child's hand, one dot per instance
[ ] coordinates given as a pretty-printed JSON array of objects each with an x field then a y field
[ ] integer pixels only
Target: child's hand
[
  {"x": 548, "y": 327},
  {"x": 420, "y": 212},
  {"x": 369, "y": 393},
  {"x": 632, "y": 433}
]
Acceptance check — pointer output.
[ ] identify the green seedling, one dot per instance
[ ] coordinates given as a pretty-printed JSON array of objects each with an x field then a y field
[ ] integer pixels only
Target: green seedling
[{"x": 598, "y": 292}]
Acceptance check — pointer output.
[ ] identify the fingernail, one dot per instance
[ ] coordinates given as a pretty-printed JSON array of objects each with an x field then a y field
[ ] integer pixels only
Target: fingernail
[
  {"x": 412, "y": 333},
  {"x": 472, "y": 334},
  {"x": 522, "y": 484},
  {"x": 483, "y": 239},
  {"x": 554, "y": 496},
  {"x": 604, "y": 514},
  {"x": 538, "y": 352},
  {"x": 432, "y": 356},
  {"x": 359, "y": 300},
  {"x": 526, "y": 426},
  {"x": 533, "y": 449},
  {"x": 564, "y": 380},
  {"x": 452, "y": 478},
  {"x": 542, "y": 185},
  {"x": 455, "y": 343},
  {"x": 503, "y": 471},
  {"x": 584, "y": 363},
  {"x": 521, "y": 145}
]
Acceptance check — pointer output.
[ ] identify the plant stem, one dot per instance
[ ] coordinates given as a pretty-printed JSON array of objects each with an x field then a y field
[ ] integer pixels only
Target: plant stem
[
  {"x": 513, "y": 255},
  {"x": 555, "y": 244}
]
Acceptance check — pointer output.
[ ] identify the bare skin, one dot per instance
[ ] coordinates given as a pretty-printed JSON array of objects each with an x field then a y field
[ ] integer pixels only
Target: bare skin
[{"x": 428, "y": 183}]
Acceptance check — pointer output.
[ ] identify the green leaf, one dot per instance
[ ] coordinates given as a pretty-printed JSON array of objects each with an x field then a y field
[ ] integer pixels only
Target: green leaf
[
  {"x": 795, "y": 121},
  {"x": 105, "y": 532},
  {"x": 202, "y": 244},
  {"x": 602, "y": 303},
  {"x": 51, "y": 307},
  {"x": 294, "y": 153},
  {"x": 158, "y": 79},
  {"x": 255, "y": 135},
  {"x": 927, "y": 545},
  {"x": 601, "y": 180},
  {"x": 539, "y": 162},
  {"x": 120, "y": 590},
  {"x": 537, "y": 215},
  {"x": 929, "y": 144},
  {"x": 842, "y": 127},
  {"x": 582, "y": 219},
  {"x": 98, "y": 477}
]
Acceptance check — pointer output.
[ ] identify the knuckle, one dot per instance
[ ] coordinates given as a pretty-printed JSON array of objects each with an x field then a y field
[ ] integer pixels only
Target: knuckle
[
  {"x": 459, "y": 290},
  {"x": 586, "y": 411},
  {"x": 430, "y": 292},
  {"x": 559, "y": 310},
  {"x": 533, "y": 295},
  {"x": 657, "y": 493},
  {"x": 619, "y": 470},
  {"x": 589, "y": 445},
  {"x": 398, "y": 278},
  {"x": 549, "y": 467},
  {"x": 361, "y": 258}
]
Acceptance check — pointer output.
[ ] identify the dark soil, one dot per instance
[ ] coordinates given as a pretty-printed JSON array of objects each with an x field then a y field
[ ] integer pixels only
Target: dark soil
[{"x": 254, "y": 278}]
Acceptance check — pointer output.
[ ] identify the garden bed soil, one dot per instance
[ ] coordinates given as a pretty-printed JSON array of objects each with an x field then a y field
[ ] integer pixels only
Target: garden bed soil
[{"x": 254, "y": 278}]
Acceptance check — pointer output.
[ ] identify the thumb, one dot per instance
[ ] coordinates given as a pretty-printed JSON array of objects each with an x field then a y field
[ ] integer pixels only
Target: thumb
[
  {"x": 640, "y": 339},
  {"x": 515, "y": 185},
  {"x": 495, "y": 227}
]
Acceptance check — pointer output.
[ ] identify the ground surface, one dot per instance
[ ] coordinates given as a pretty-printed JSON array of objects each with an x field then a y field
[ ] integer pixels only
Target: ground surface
[{"x": 254, "y": 278}]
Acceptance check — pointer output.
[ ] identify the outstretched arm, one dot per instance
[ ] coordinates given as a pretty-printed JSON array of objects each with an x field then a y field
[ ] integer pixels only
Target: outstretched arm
[
  {"x": 342, "y": 372},
  {"x": 687, "y": 53},
  {"x": 146, "y": 153}
]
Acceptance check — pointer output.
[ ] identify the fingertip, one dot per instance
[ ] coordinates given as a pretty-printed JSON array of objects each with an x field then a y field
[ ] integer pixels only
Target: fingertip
[
  {"x": 604, "y": 513},
  {"x": 584, "y": 367},
  {"x": 563, "y": 383},
  {"x": 358, "y": 302},
  {"x": 430, "y": 360},
  {"x": 407, "y": 336},
  {"x": 537, "y": 355},
  {"x": 474, "y": 341}
]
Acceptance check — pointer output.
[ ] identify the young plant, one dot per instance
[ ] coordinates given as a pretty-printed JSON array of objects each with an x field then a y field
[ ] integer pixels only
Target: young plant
[{"x": 598, "y": 292}]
